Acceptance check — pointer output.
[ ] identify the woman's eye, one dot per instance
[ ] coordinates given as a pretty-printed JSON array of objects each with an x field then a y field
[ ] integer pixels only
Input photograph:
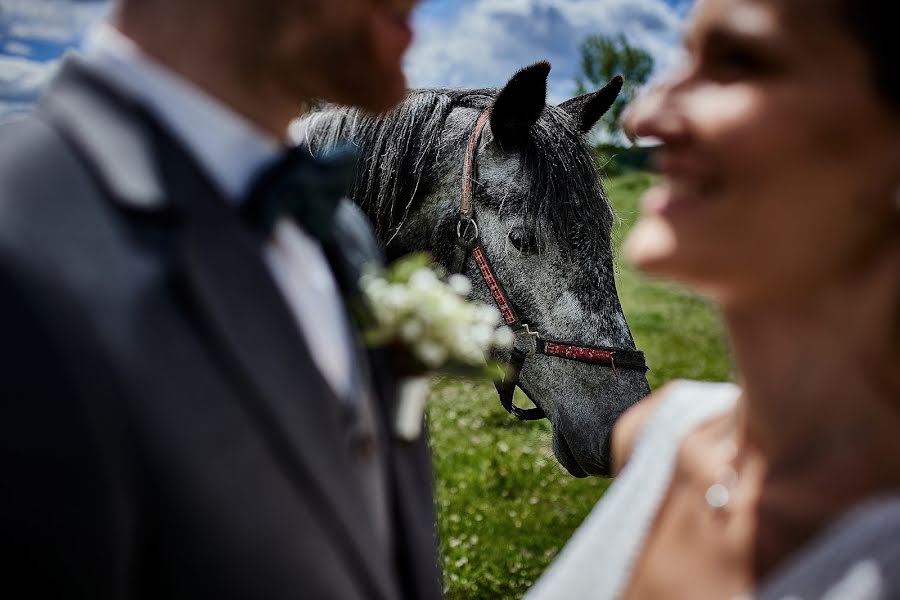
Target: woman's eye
[
  {"x": 524, "y": 242},
  {"x": 730, "y": 61},
  {"x": 738, "y": 62}
]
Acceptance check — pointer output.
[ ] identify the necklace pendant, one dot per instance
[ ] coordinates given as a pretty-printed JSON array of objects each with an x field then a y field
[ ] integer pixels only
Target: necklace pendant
[
  {"x": 720, "y": 493},
  {"x": 718, "y": 496}
]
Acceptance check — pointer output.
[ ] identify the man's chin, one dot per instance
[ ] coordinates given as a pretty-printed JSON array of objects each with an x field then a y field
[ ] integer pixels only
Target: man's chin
[
  {"x": 372, "y": 90},
  {"x": 379, "y": 96}
]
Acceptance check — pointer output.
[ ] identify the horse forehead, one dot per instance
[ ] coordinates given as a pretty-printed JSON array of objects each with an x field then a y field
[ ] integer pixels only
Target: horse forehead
[
  {"x": 460, "y": 122},
  {"x": 557, "y": 162},
  {"x": 555, "y": 127}
]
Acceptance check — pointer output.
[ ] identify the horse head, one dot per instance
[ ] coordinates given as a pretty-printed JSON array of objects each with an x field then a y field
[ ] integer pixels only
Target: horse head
[{"x": 543, "y": 219}]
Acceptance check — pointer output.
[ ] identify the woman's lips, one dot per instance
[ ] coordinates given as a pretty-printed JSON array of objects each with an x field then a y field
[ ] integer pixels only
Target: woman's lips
[
  {"x": 686, "y": 184},
  {"x": 676, "y": 195},
  {"x": 679, "y": 164}
]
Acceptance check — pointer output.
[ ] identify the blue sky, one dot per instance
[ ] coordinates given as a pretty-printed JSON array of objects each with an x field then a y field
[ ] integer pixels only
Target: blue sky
[
  {"x": 474, "y": 43},
  {"x": 460, "y": 43}
]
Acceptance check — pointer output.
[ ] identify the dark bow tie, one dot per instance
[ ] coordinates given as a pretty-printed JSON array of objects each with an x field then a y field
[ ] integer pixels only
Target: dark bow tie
[{"x": 306, "y": 188}]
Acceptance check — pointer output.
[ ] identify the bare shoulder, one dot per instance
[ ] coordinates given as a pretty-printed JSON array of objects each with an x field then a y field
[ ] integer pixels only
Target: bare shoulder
[{"x": 629, "y": 426}]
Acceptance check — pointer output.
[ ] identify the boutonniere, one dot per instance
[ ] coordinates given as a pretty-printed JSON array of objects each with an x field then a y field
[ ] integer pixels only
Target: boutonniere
[{"x": 428, "y": 324}]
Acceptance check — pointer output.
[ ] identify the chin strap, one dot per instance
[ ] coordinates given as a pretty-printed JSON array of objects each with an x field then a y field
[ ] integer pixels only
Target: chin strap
[{"x": 506, "y": 387}]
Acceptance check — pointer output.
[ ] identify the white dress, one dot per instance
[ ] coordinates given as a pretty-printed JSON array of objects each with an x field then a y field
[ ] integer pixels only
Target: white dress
[
  {"x": 858, "y": 558},
  {"x": 597, "y": 561}
]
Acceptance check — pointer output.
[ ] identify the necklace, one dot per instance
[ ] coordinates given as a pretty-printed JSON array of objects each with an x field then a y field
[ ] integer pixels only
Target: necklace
[{"x": 720, "y": 493}]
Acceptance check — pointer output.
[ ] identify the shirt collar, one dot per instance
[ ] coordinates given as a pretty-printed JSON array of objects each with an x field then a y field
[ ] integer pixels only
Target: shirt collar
[{"x": 228, "y": 147}]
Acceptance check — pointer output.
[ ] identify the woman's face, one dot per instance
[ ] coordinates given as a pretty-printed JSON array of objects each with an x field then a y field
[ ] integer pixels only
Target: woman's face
[{"x": 780, "y": 162}]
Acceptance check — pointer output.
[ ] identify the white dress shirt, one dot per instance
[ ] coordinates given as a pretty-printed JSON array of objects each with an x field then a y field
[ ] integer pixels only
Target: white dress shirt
[{"x": 231, "y": 151}]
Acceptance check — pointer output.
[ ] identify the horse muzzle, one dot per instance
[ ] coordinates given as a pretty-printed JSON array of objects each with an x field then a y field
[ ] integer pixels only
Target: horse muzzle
[{"x": 588, "y": 459}]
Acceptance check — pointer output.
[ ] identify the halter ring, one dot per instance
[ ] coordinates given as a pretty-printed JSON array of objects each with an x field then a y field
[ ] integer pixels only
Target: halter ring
[{"x": 461, "y": 235}]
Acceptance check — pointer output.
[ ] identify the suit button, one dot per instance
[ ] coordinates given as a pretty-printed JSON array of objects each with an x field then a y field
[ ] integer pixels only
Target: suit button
[{"x": 364, "y": 446}]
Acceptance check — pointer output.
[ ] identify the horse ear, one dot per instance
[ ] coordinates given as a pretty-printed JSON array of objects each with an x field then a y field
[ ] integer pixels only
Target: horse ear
[
  {"x": 519, "y": 105},
  {"x": 588, "y": 109}
]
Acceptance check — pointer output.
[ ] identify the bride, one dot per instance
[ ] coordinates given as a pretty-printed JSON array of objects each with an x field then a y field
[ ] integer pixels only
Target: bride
[{"x": 780, "y": 199}]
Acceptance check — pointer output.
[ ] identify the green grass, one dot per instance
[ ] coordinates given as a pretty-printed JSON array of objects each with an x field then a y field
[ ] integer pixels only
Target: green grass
[{"x": 505, "y": 507}]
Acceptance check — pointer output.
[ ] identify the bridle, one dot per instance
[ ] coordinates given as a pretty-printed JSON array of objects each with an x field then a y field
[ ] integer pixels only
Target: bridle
[{"x": 469, "y": 243}]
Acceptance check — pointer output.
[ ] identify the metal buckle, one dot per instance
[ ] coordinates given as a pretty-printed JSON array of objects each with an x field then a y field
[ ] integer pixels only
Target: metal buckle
[
  {"x": 461, "y": 234},
  {"x": 530, "y": 336}
]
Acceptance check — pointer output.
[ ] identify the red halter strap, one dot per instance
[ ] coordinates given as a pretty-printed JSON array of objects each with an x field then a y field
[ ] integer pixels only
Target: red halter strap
[{"x": 509, "y": 315}]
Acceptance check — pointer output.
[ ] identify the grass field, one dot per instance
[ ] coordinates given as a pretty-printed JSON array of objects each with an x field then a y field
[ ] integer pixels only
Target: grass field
[{"x": 505, "y": 506}]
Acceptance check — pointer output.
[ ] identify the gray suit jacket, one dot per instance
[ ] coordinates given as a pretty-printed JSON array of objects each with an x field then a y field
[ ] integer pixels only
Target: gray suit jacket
[{"x": 163, "y": 430}]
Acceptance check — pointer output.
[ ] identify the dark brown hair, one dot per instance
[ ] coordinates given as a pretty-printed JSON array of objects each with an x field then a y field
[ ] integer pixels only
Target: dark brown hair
[{"x": 874, "y": 25}]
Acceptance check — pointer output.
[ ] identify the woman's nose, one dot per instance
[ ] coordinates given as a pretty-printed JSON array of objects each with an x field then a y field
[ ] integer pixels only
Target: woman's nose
[{"x": 654, "y": 114}]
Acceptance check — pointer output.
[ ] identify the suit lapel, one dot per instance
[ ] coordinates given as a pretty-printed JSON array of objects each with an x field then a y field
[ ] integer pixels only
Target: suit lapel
[{"x": 235, "y": 301}]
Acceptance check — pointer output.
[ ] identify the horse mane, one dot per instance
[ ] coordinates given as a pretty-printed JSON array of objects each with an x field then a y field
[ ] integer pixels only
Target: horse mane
[{"x": 399, "y": 150}]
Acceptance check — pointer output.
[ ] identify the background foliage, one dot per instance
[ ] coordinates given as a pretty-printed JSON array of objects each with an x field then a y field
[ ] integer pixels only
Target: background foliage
[
  {"x": 505, "y": 506},
  {"x": 604, "y": 57}
]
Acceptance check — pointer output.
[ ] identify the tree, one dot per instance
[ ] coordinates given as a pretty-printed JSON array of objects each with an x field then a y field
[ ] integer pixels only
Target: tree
[{"x": 602, "y": 58}]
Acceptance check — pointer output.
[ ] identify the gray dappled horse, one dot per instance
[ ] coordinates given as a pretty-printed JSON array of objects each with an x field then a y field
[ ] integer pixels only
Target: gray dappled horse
[{"x": 543, "y": 219}]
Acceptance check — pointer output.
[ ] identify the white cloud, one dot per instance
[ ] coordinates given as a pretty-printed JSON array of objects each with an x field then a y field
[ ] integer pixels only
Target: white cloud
[
  {"x": 58, "y": 32},
  {"x": 489, "y": 40},
  {"x": 17, "y": 48},
  {"x": 33, "y": 33},
  {"x": 54, "y": 21},
  {"x": 22, "y": 79}
]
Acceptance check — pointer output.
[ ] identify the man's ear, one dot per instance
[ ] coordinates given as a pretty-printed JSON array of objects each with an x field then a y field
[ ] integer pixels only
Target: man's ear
[
  {"x": 588, "y": 109},
  {"x": 519, "y": 105}
]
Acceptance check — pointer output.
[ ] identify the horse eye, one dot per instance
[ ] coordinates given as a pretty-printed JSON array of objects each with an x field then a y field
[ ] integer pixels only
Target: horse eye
[{"x": 524, "y": 242}]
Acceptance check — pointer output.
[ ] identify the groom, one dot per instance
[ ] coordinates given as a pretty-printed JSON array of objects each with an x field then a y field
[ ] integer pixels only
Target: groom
[{"x": 184, "y": 409}]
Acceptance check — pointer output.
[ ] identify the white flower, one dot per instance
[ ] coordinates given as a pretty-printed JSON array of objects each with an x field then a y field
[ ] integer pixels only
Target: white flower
[
  {"x": 410, "y": 330},
  {"x": 430, "y": 353},
  {"x": 460, "y": 284},
  {"x": 396, "y": 297},
  {"x": 504, "y": 338},
  {"x": 423, "y": 279},
  {"x": 482, "y": 335},
  {"x": 487, "y": 314}
]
